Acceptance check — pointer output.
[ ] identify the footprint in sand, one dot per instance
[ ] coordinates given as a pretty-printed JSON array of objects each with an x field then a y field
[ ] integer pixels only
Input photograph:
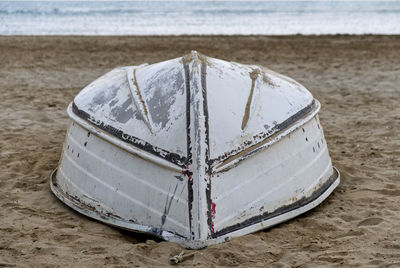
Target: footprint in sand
[
  {"x": 94, "y": 250},
  {"x": 348, "y": 218},
  {"x": 66, "y": 237},
  {"x": 370, "y": 221},
  {"x": 350, "y": 234}
]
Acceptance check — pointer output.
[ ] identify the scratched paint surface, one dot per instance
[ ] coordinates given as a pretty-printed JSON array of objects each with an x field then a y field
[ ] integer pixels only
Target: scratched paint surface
[
  {"x": 162, "y": 122},
  {"x": 149, "y": 102},
  {"x": 271, "y": 99},
  {"x": 115, "y": 182},
  {"x": 285, "y": 172}
]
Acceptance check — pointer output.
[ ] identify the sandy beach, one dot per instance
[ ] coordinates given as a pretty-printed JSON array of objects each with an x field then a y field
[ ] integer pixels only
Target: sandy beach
[{"x": 356, "y": 79}]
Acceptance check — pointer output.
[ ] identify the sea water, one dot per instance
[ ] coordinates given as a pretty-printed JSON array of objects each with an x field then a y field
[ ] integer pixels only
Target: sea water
[{"x": 199, "y": 17}]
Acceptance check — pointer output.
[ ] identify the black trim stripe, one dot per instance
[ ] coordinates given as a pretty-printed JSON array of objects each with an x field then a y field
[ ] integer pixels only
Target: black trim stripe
[
  {"x": 188, "y": 96},
  {"x": 189, "y": 147},
  {"x": 207, "y": 170}
]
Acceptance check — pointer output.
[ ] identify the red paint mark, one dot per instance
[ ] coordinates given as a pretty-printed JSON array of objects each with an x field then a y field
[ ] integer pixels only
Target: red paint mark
[
  {"x": 212, "y": 215},
  {"x": 212, "y": 209}
]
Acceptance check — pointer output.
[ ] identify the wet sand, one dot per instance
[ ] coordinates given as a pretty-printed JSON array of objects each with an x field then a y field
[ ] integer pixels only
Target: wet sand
[{"x": 356, "y": 79}]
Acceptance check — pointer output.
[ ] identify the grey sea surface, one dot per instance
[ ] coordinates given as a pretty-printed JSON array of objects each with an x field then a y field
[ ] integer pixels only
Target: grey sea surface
[{"x": 198, "y": 17}]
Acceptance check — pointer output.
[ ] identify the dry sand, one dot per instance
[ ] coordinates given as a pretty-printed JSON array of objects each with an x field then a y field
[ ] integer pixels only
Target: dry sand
[{"x": 356, "y": 78}]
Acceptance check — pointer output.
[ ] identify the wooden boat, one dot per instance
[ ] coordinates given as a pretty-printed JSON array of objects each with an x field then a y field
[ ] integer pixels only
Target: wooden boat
[{"x": 194, "y": 150}]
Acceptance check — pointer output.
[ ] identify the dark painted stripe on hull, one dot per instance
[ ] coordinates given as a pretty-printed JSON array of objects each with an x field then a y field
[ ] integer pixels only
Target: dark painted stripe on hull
[{"x": 141, "y": 144}]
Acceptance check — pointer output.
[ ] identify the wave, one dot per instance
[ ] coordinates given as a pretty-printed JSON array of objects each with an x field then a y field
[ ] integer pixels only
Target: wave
[
  {"x": 108, "y": 8},
  {"x": 226, "y": 12},
  {"x": 57, "y": 11}
]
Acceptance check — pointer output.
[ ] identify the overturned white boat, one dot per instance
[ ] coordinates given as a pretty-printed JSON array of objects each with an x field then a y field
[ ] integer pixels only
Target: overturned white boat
[{"x": 194, "y": 150}]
